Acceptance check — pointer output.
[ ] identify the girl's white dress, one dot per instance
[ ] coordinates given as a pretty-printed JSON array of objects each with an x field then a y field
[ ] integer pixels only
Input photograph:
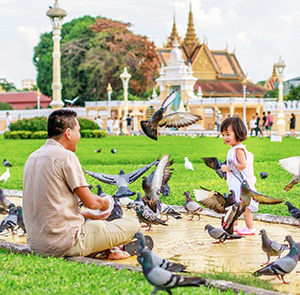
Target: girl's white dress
[{"x": 248, "y": 173}]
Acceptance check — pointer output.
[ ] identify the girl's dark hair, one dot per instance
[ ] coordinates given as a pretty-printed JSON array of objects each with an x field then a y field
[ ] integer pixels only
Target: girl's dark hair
[
  {"x": 237, "y": 126},
  {"x": 59, "y": 121}
]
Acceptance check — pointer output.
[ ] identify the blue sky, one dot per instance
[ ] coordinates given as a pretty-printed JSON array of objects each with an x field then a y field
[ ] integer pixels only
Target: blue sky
[{"x": 258, "y": 31}]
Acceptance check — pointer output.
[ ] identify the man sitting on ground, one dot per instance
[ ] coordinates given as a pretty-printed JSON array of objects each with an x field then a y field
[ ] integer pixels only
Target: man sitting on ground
[{"x": 53, "y": 183}]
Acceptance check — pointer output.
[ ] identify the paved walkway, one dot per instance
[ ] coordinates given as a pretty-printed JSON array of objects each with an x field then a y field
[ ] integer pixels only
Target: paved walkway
[{"x": 186, "y": 242}]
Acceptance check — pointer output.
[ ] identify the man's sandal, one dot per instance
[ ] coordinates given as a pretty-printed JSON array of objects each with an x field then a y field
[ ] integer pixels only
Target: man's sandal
[{"x": 133, "y": 246}]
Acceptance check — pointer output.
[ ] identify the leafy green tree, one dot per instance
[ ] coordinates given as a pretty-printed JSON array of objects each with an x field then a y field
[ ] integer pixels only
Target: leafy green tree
[
  {"x": 94, "y": 53},
  {"x": 294, "y": 93},
  {"x": 5, "y": 106},
  {"x": 272, "y": 93},
  {"x": 7, "y": 86}
]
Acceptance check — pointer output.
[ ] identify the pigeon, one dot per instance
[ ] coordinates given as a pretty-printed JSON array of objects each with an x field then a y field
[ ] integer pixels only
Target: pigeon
[
  {"x": 156, "y": 260},
  {"x": 233, "y": 213},
  {"x": 147, "y": 216},
  {"x": 98, "y": 151},
  {"x": 187, "y": 164},
  {"x": 263, "y": 175},
  {"x": 4, "y": 202},
  {"x": 116, "y": 212},
  {"x": 72, "y": 101},
  {"x": 271, "y": 248},
  {"x": 6, "y": 163},
  {"x": 176, "y": 119},
  {"x": 220, "y": 234},
  {"x": 137, "y": 201},
  {"x": 20, "y": 221},
  {"x": 191, "y": 206},
  {"x": 4, "y": 177},
  {"x": 291, "y": 165},
  {"x": 124, "y": 201},
  {"x": 165, "y": 190},
  {"x": 121, "y": 180},
  {"x": 295, "y": 212},
  {"x": 113, "y": 151},
  {"x": 247, "y": 194},
  {"x": 169, "y": 211},
  {"x": 284, "y": 265},
  {"x": 163, "y": 279},
  {"x": 10, "y": 221},
  {"x": 162, "y": 174},
  {"x": 214, "y": 200},
  {"x": 215, "y": 164}
]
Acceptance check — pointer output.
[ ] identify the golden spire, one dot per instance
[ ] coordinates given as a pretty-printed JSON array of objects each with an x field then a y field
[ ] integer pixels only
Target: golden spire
[
  {"x": 274, "y": 73},
  {"x": 190, "y": 37},
  {"x": 173, "y": 34}
]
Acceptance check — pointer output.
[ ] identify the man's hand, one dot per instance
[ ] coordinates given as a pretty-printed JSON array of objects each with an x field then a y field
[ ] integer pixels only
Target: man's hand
[{"x": 89, "y": 215}]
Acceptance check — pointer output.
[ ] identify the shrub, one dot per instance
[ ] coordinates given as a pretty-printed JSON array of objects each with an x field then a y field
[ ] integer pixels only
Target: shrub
[
  {"x": 39, "y": 135},
  {"x": 33, "y": 124},
  {"x": 99, "y": 133},
  {"x": 17, "y": 134},
  {"x": 5, "y": 106},
  {"x": 86, "y": 133},
  {"x": 87, "y": 124}
]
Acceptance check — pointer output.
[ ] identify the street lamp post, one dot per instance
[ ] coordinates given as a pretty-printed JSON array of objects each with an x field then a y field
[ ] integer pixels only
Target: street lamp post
[
  {"x": 109, "y": 91},
  {"x": 38, "y": 93},
  {"x": 125, "y": 76},
  {"x": 280, "y": 65},
  {"x": 244, "y": 82},
  {"x": 56, "y": 15}
]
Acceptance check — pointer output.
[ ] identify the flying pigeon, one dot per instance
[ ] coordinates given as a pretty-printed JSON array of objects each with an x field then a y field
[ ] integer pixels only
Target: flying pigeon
[
  {"x": 220, "y": 234},
  {"x": 271, "y": 248},
  {"x": 147, "y": 216},
  {"x": 4, "y": 202},
  {"x": 10, "y": 221},
  {"x": 291, "y": 165},
  {"x": 163, "y": 279},
  {"x": 5, "y": 175},
  {"x": 121, "y": 180},
  {"x": 263, "y": 175},
  {"x": 116, "y": 212},
  {"x": 176, "y": 119},
  {"x": 72, "y": 101},
  {"x": 20, "y": 221},
  {"x": 162, "y": 174},
  {"x": 284, "y": 265},
  {"x": 6, "y": 163},
  {"x": 232, "y": 214},
  {"x": 191, "y": 206},
  {"x": 97, "y": 151},
  {"x": 215, "y": 164},
  {"x": 156, "y": 260},
  {"x": 295, "y": 212},
  {"x": 187, "y": 164}
]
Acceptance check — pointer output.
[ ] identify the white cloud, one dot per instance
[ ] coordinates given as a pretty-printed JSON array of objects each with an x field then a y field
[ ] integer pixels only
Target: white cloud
[
  {"x": 30, "y": 34},
  {"x": 291, "y": 17},
  {"x": 243, "y": 38}
]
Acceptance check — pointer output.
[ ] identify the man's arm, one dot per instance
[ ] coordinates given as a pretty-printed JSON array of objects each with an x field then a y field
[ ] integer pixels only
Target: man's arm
[{"x": 90, "y": 200}]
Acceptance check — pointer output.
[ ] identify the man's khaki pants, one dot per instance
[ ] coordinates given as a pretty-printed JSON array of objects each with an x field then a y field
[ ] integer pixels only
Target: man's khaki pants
[{"x": 98, "y": 235}]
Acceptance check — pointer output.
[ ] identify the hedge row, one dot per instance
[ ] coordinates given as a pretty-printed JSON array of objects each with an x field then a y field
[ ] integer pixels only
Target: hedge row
[{"x": 23, "y": 134}]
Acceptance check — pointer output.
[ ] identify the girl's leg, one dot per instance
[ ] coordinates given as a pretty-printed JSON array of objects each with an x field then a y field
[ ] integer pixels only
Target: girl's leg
[{"x": 248, "y": 218}]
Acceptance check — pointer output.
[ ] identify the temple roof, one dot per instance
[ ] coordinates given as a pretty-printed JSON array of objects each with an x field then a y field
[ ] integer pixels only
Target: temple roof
[
  {"x": 174, "y": 34},
  {"x": 233, "y": 88}
]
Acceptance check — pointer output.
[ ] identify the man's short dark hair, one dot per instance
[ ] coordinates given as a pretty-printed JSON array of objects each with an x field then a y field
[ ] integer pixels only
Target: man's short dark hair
[
  {"x": 59, "y": 121},
  {"x": 237, "y": 126}
]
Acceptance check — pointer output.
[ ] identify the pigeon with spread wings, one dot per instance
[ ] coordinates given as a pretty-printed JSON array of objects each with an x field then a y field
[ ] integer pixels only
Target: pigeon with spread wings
[
  {"x": 72, "y": 101},
  {"x": 215, "y": 164},
  {"x": 291, "y": 165},
  {"x": 175, "y": 119},
  {"x": 121, "y": 180}
]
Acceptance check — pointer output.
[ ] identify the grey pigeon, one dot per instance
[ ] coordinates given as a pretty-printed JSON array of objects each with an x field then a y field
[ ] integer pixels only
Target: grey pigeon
[
  {"x": 10, "y": 221},
  {"x": 165, "y": 190},
  {"x": 137, "y": 201},
  {"x": 284, "y": 265},
  {"x": 169, "y": 211},
  {"x": 295, "y": 212},
  {"x": 271, "y": 248},
  {"x": 263, "y": 175},
  {"x": 191, "y": 206},
  {"x": 156, "y": 260},
  {"x": 20, "y": 221},
  {"x": 5, "y": 203},
  {"x": 146, "y": 215},
  {"x": 291, "y": 165},
  {"x": 176, "y": 119},
  {"x": 113, "y": 151},
  {"x": 121, "y": 180},
  {"x": 232, "y": 214},
  {"x": 161, "y": 176},
  {"x": 220, "y": 234},
  {"x": 215, "y": 164},
  {"x": 116, "y": 212},
  {"x": 6, "y": 163},
  {"x": 163, "y": 279}
]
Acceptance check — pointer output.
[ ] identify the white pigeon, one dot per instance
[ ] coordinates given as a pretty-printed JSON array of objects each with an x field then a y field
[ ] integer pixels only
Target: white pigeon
[
  {"x": 5, "y": 175},
  {"x": 188, "y": 165},
  {"x": 72, "y": 101}
]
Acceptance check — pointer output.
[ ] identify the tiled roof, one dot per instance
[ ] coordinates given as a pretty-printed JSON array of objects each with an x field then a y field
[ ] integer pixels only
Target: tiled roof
[{"x": 23, "y": 100}]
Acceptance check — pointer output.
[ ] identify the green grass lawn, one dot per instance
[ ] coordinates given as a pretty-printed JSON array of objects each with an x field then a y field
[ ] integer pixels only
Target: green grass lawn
[
  {"x": 133, "y": 152},
  {"x": 35, "y": 275}
]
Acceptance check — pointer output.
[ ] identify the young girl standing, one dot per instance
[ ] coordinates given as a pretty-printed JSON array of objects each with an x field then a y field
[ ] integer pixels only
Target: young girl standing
[{"x": 234, "y": 133}]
